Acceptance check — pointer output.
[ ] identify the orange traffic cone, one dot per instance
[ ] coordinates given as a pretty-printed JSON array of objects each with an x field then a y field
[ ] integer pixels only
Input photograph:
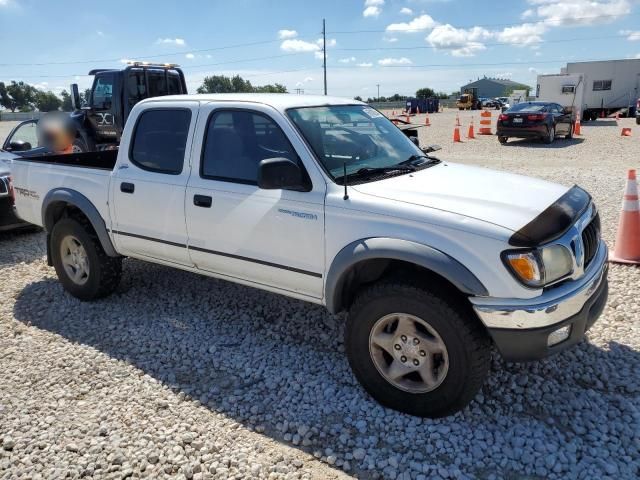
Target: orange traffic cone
[
  {"x": 470, "y": 133},
  {"x": 458, "y": 120},
  {"x": 407, "y": 118},
  {"x": 626, "y": 132},
  {"x": 394, "y": 113},
  {"x": 627, "y": 247},
  {"x": 456, "y": 134},
  {"x": 576, "y": 128},
  {"x": 427, "y": 123}
]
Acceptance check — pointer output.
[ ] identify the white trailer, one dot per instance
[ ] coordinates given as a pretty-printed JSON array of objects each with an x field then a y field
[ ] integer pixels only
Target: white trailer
[
  {"x": 563, "y": 88},
  {"x": 608, "y": 86}
]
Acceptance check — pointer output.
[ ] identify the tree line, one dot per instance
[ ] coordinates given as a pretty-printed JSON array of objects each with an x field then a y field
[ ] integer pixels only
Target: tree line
[
  {"x": 22, "y": 97},
  {"x": 425, "y": 92}
]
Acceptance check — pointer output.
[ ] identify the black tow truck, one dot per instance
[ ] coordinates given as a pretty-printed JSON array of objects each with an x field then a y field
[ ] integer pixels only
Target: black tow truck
[{"x": 99, "y": 123}]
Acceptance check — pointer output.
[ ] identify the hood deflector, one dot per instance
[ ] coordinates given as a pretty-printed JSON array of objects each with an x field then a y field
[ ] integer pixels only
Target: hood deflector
[{"x": 554, "y": 221}]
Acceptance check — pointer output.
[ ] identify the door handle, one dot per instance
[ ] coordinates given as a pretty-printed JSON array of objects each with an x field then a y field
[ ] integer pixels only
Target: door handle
[
  {"x": 127, "y": 187},
  {"x": 202, "y": 201}
]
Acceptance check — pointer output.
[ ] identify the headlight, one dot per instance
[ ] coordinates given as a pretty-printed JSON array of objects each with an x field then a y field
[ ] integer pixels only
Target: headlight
[{"x": 539, "y": 267}]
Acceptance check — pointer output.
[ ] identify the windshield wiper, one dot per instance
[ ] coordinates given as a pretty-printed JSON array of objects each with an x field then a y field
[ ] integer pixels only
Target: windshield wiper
[
  {"x": 371, "y": 171},
  {"x": 412, "y": 161}
]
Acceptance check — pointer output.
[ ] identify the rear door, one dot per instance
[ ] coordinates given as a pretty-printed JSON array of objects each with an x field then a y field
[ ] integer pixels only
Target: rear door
[
  {"x": 273, "y": 238},
  {"x": 147, "y": 189}
]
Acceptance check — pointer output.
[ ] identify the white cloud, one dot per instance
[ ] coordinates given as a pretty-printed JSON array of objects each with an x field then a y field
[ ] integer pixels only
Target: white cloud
[
  {"x": 100, "y": 33},
  {"x": 390, "y": 39},
  {"x": 406, "y": 11},
  {"x": 632, "y": 35},
  {"x": 347, "y": 60},
  {"x": 284, "y": 34},
  {"x": 308, "y": 79},
  {"x": 371, "y": 12},
  {"x": 459, "y": 41},
  {"x": 4, "y": 3},
  {"x": 385, "y": 62},
  {"x": 319, "y": 55},
  {"x": 365, "y": 65},
  {"x": 524, "y": 34},
  {"x": 190, "y": 56},
  {"x": 299, "y": 46},
  {"x": 418, "y": 24},
  {"x": 580, "y": 12},
  {"x": 528, "y": 13},
  {"x": 179, "y": 42}
]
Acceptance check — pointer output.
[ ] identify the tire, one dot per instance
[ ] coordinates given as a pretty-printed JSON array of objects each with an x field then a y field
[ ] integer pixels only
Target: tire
[
  {"x": 462, "y": 366},
  {"x": 569, "y": 135},
  {"x": 503, "y": 140},
  {"x": 551, "y": 135},
  {"x": 102, "y": 275},
  {"x": 79, "y": 145},
  {"x": 637, "y": 120}
]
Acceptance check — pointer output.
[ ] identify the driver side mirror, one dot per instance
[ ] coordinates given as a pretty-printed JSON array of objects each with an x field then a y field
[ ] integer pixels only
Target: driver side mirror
[
  {"x": 279, "y": 173},
  {"x": 75, "y": 97},
  {"x": 19, "y": 146},
  {"x": 415, "y": 141}
]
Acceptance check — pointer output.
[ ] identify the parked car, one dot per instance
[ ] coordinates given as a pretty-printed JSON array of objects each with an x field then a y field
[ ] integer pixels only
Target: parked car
[
  {"x": 543, "y": 120},
  {"x": 21, "y": 140},
  {"x": 492, "y": 103},
  {"x": 324, "y": 200},
  {"x": 638, "y": 111}
]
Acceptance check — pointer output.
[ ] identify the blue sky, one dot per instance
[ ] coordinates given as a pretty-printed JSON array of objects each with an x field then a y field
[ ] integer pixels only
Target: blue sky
[{"x": 400, "y": 44}]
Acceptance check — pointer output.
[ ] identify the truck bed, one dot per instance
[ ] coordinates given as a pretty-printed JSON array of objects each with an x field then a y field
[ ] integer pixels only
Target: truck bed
[{"x": 104, "y": 160}]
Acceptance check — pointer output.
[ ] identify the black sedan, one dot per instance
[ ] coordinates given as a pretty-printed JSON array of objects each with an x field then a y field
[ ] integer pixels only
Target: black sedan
[{"x": 543, "y": 120}]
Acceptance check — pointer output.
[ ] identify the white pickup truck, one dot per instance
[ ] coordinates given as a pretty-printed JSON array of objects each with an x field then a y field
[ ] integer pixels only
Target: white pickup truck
[{"x": 325, "y": 200}]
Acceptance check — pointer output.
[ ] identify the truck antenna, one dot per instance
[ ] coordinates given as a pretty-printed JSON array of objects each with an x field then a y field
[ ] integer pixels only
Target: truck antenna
[{"x": 344, "y": 169}]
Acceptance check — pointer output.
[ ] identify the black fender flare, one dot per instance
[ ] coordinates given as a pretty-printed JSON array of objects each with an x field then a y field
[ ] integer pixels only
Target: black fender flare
[
  {"x": 76, "y": 199},
  {"x": 395, "y": 249}
]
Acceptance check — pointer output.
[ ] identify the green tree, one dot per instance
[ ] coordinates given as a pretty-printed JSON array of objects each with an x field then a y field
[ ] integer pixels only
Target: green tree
[
  {"x": 236, "y": 84},
  {"x": 358, "y": 98},
  {"x": 47, "y": 101},
  {"x": 425, "y": 92},
  {"x": 66, "y": 101},
  {"x": 21, "y": 96},
  {"x": 5, "y": 100}
]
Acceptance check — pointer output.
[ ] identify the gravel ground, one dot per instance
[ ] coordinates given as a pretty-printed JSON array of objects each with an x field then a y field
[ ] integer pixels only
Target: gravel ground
[{"x": 177, "y": 375}]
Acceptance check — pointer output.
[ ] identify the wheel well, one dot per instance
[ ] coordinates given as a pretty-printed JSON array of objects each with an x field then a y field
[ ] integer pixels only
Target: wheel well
[
  {"x": 59, "y": 210},
  {"x": 367, "y": 272}
]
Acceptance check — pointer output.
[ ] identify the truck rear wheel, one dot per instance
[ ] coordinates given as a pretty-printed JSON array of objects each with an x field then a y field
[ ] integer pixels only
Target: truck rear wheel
[
  {"x": 413, "y": 351},
  {"x": 82, "y": 266}
]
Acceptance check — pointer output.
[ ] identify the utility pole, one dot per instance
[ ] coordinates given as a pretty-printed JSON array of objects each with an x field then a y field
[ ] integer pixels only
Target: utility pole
[
  {"x": 324, "y": 53},
  {"x": 378, "y": 85}
]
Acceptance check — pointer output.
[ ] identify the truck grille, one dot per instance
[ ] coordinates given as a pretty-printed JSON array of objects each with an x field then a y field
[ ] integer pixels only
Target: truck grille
[{"x": 591, "y": 239}]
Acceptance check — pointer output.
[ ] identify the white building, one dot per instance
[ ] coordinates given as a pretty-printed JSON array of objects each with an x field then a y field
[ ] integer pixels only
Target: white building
[{"x": 593, "y": 88}]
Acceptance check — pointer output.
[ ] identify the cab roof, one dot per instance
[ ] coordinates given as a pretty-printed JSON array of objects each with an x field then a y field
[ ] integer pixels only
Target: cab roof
[{"x": 279, "y": 101}]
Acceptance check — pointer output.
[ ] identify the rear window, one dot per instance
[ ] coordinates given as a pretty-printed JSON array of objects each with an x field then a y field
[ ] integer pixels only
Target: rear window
[
  {"x": 529, "y": 107},
  {"x": 159, "y": 85},
  {"x": 160, "y": 140}
]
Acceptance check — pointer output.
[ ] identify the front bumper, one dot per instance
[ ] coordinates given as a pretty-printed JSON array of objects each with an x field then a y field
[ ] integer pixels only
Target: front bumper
[{"x": 520, "y": 328}]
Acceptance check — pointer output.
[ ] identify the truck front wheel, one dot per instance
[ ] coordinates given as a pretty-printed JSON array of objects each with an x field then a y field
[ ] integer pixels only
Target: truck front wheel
[
  {"x": 413, "y": 351},
  {"x": 83, "y": 267}
]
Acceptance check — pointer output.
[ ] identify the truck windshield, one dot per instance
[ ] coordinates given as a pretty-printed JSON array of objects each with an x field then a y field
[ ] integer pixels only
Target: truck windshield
[{"x": 356, "y": 136}]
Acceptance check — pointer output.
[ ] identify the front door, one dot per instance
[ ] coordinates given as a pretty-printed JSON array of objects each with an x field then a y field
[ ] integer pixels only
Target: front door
[
  {"x": 147, "y": 191},
  {"x": 272, "y": 238}
]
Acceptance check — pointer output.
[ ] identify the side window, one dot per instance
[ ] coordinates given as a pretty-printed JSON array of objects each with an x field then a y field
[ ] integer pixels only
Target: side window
[
  {"x": 160, "y": 140},
  {"x": 102, "y": 92},
  {"x": 136, "y": 87},
  {"x": 237, "y": 141},
  {"x": 26, "y": 133},
  {"x": 599, "y": 85}
]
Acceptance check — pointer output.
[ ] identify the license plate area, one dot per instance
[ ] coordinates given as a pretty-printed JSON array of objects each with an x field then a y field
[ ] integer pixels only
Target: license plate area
[{"x": 517, "y": 120}]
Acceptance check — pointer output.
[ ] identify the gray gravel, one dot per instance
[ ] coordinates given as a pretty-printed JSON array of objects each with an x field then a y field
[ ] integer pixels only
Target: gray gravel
[{"x": 181, "y": 376}]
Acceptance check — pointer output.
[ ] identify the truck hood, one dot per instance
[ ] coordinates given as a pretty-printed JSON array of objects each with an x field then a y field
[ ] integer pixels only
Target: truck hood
[{"x": 505, "y": 199}]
